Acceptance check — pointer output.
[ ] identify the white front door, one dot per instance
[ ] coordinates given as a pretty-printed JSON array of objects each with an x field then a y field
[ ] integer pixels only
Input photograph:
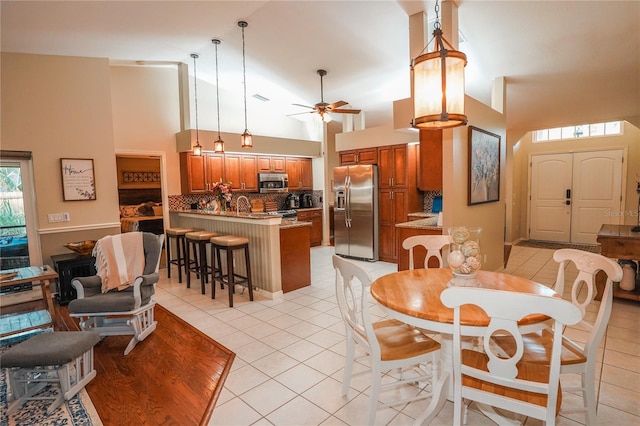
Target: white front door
[
  {"x": 550, "y": 218},
  {"x": 573, "y": 194},
  {"x": 597, "y": 199}
]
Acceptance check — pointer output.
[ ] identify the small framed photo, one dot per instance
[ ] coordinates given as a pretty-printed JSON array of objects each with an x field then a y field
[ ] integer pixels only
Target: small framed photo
[
  {"x": 484, "y": 166},
  {"x": 78, "y": 179}
]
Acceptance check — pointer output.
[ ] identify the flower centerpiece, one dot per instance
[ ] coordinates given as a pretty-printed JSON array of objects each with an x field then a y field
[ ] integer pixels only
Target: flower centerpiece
[
  {"x": 222, "y": 193},
  {"x": 464, "y": 254}
]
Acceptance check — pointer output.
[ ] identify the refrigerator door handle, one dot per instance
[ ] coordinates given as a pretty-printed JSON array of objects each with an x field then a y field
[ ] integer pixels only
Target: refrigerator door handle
[{"x": 347, "y": 204}]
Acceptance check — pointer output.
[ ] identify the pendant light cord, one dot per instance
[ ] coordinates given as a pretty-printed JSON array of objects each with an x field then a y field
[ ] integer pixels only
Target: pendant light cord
[
  {"x": 195, "y": 93},
  {"x": 217, "y": 88},
  {"x": 244, "y": 74}
]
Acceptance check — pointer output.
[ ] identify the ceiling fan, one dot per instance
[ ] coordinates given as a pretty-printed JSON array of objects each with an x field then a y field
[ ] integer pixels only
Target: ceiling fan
[{"x": 324, "y": 108}]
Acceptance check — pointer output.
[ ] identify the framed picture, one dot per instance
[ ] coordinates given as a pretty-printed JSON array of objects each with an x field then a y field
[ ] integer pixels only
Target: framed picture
[
  {"x": 78, "y": 179},
  {"x": 484, "y": 166}
]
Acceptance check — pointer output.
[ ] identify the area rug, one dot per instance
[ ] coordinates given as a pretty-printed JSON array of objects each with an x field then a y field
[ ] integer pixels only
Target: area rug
[
  {"x": 78, "y": 411},
  {"x": 595, "y": 248}
]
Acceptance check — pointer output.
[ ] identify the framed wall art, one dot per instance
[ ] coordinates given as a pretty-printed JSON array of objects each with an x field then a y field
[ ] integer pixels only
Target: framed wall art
[
  {"x": 78, "y": 179},
  {"x": 484, "y": 166}
]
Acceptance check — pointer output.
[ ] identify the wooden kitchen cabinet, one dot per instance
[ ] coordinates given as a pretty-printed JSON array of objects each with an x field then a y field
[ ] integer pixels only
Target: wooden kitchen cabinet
[
  {"x": 359, "y": 156},
  {"x": 295, "y": 257},
  {"x": 199, "y": 172},
  {"x": 242, "y": 172},
  {"x": 315, "y": 217},
  {"x": 430, "y": 162},
  {"x": 300, "y": 173},
  {"x": 393, "y": 166},
  {"x": 271, "y": 164},
  {"x": 391, "y": 211},
  {"x": 398, "y": 195}
]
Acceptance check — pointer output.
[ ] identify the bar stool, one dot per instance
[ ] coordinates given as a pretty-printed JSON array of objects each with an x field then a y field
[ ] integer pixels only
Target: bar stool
[
  {"x": 199, "y": 240},
  {"x": 181, "y": 247},
  {"x": 230, "y": 243}
]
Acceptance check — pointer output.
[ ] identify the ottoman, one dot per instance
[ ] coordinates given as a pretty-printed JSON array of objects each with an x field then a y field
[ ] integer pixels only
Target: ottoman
[{"x": 64, "y": 357}]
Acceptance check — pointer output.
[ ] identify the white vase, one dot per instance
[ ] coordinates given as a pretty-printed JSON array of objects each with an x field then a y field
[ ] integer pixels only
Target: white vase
[{"x": 464, "y": 280}]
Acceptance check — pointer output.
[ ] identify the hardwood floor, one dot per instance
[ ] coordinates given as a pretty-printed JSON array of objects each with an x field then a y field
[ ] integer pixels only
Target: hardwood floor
[{"x": 174, "y": 376}]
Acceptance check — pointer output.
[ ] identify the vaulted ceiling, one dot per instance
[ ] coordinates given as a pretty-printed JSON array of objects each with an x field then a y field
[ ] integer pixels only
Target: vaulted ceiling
[{"x": 565, "y": 62}]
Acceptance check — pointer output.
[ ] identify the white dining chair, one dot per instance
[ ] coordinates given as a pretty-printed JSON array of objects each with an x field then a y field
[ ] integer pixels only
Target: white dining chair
[
  {"x": 388, "y": 344},
  {"x": 579, "y": 358},
  {"x": 433, "y": 244},
  {"x": 505, "y": 381}
]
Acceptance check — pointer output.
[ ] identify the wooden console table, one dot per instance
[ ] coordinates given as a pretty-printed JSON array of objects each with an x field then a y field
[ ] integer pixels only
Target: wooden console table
[
  {"x": 617, "y": 241},
  {"x": 37, "y": 275}
]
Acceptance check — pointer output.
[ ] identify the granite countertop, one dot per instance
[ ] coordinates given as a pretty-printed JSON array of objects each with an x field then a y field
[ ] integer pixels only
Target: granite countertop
[
  {"x": 241, "y": 215},
  {"x": 428, "y": 223},
  {"x": 308, "y": 209},
  {"x": 293, "y": 223},
  {"x": 422, "y": 214}
]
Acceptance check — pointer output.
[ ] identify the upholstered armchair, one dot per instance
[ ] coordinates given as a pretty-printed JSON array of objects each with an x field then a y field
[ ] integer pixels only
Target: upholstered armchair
[{"x": 127, "y": 311}]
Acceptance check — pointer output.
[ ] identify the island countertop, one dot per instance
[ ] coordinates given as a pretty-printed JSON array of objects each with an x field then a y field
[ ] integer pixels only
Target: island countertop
[{"x": 428, "y": 223}]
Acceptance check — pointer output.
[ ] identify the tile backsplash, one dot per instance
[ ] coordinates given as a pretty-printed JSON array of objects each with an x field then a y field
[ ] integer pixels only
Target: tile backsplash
[{"x": 180, "y": 202}]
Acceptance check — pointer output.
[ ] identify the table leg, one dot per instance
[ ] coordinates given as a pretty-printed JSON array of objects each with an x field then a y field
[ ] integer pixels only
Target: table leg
[{"x": 46, "y": 296}]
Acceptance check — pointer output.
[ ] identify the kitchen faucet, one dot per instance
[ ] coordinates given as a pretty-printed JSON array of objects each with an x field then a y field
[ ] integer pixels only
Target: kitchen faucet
[{"x": 238, "y": 203}]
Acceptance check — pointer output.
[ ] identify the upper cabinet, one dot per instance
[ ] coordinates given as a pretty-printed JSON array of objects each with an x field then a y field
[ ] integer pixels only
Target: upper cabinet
[
  {"x": 198, "y": 173},
  {"x": 359, "y": 156},
  {"x": 300, "y": 173},
  {"x": 267, "y": 164},
  {"x": 430, "y": 164},
  {"x": 241, "y": 171},
  {"x": 393, "y": 166}
]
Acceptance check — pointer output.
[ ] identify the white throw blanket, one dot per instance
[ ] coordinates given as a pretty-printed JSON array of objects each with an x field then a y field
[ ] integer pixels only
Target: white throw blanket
[{"x": 119, "y": 260}]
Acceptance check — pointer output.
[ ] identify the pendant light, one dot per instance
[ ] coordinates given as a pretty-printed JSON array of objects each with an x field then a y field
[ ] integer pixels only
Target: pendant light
[
  {"x": 197, "y": 148},
  {"x": 245, "y": 139},
  {"x": 218, "y": 145},
  {"x": 438, "y": 84}
]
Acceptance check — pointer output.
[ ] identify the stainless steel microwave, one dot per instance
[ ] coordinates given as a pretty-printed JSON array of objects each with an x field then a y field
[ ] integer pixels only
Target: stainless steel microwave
[{"x": 273, "y": 182}]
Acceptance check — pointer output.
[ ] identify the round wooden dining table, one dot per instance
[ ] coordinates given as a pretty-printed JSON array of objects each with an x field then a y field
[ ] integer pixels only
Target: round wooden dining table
[{"x": 414, "y": 297}]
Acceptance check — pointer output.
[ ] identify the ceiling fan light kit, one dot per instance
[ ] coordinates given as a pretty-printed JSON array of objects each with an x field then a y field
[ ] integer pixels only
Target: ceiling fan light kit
[
  {"x": 197, "y": 148},
  {"x": 438, "y": 85},
  {"x": 246, "y": 140},
  {"x": 218, "y": 145}
]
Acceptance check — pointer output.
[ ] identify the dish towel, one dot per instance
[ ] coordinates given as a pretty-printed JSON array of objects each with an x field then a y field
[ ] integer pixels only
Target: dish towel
[{"x": 119, "y": 260}]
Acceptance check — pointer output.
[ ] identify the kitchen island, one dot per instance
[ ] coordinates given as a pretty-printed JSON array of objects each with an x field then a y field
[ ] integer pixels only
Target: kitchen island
[{"x": 265, "y": 242}]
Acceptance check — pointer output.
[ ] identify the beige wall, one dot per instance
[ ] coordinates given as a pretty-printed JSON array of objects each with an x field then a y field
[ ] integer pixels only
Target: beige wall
[
  {"x": 146, "y": 115},
  {"x": 60, "y": 107},
  {"x": 525, "y": 148},
  {"x": 489, "y": 216}
]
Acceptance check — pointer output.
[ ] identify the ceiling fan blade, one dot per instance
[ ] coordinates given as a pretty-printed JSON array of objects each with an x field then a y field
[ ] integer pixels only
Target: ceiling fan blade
[
  {"x": 300, "y": 113},
  {"x": 304, "y": 106},
  {"x": 337, "y": 104},
  {"x": 346, "y": 111}
]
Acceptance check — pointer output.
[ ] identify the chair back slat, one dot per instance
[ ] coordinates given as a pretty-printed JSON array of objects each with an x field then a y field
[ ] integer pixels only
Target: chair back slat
[
  {"x": 352, "y": 287},
  {"x": 433, "y": 244}
]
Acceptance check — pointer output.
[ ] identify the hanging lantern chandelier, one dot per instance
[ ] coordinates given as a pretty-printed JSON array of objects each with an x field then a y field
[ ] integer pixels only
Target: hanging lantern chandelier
[
  {"x": 197, "y": 148},
  {"x": 438, "y": 84},
  {"x": 218, "y": 145},
  {"x": 245, "y": 138}
]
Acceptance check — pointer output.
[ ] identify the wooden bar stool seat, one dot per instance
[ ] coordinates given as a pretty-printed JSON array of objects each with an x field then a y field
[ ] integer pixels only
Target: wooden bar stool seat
[
  {"x": 230, "y": 243},
  {"x": 180, "y": 260},
  {"x": 198, "y": 241}
]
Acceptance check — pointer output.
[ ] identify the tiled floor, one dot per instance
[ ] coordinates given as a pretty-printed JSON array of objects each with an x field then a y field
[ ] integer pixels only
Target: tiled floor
[{"x": 289, "y": 363}]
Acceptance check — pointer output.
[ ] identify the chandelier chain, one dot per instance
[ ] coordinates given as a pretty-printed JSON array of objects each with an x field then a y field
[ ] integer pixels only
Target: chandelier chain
[{"x": 436, "y": 24}]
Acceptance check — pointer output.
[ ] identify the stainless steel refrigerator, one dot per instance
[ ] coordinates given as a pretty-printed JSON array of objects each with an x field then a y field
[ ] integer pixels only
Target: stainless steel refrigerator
[{"x": 355, "y": 212}]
